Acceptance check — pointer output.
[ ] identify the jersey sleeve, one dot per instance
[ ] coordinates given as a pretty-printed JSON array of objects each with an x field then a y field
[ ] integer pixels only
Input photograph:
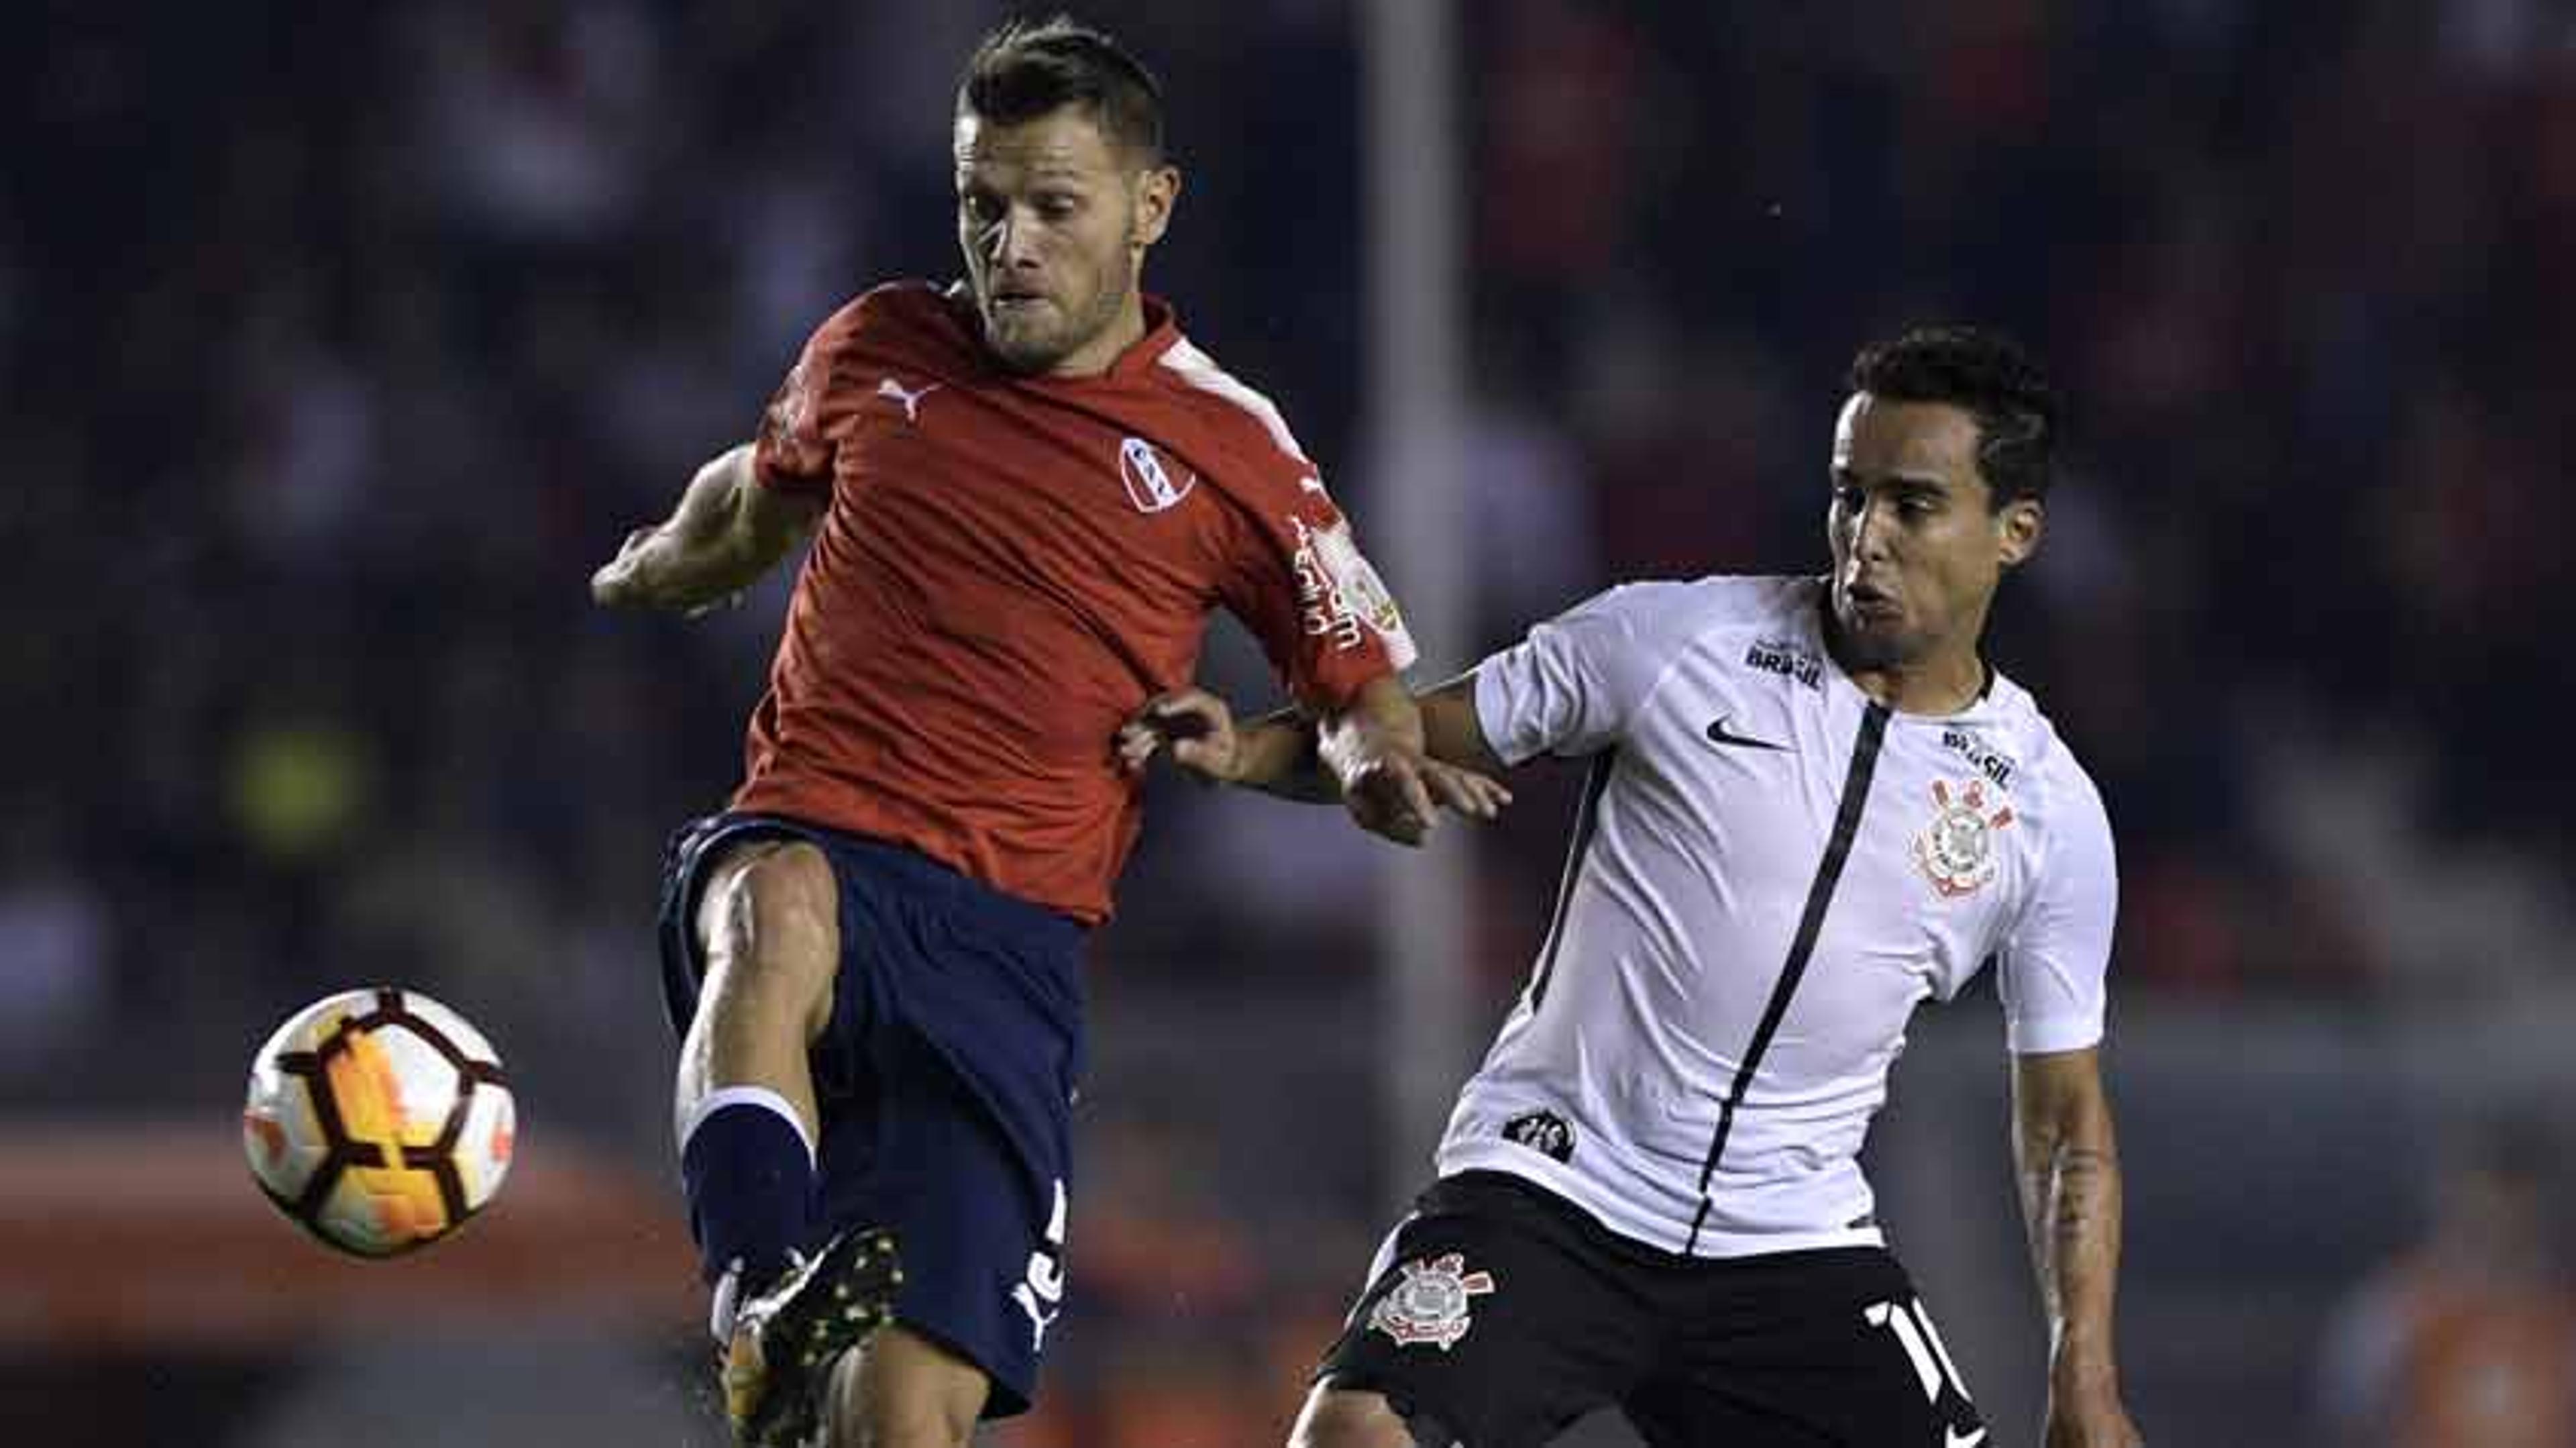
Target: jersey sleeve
[
  {"x": 1574, "y": 682},
  {"x": 2051, "y": 969},
  {"x": 1301, "y": 585},
  {"x": 794, "y": 449}
]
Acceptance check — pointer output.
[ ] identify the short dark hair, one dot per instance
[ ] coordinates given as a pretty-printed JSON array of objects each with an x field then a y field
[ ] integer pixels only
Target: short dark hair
[
  {"x": 1027, "y": 69},
  {"x": 1992, "y": 379}
]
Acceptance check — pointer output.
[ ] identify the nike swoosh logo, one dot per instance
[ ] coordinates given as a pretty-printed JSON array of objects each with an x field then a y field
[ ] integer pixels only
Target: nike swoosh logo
[
  {"x": 1719, "y": 734},
  {"x": 1953, "y": 1438}
]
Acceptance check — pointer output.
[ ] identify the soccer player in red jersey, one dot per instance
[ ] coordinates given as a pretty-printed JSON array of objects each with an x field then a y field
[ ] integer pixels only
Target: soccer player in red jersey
[{"x": 1025, "y": 494}]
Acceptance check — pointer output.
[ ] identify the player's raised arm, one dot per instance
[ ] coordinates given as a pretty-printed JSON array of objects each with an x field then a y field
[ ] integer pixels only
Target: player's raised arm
[
  {"x": 727, "y": 531},
  {"x": 2069, "y": 1166}
]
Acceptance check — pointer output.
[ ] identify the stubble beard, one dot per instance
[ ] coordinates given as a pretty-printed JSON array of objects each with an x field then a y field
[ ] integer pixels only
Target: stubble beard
[
  {"x": 1865, "y": 649},
  {"x": 1030, "y": 355},
  {"x": 1871, "y": 653}
]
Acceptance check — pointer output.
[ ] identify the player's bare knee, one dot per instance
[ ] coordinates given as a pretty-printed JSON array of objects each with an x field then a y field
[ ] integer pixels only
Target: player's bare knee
[
  {"x": 772, "y": 917},
  {"x": 1340, "y": 1418}
]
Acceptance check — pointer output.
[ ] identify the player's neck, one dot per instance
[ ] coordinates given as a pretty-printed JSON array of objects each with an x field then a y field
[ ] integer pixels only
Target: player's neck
[
  {"x": 1943, "y": 679},
  {"x": 1946, "y": 684}
]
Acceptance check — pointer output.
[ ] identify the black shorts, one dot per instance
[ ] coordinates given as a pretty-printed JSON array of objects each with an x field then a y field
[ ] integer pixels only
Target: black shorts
[
  {"x": 945, "y": 1080},
  {"x": 1501, "y": 1313}
]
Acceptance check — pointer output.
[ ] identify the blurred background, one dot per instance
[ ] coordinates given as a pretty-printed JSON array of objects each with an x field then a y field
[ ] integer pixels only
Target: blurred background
[{"x": 341, "y": 342}]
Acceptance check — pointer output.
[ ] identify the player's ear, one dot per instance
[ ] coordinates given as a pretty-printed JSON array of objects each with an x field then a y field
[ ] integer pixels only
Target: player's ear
[
  {"x": 2018, "y": 526},
  {"x": 1157, "y": 188}
]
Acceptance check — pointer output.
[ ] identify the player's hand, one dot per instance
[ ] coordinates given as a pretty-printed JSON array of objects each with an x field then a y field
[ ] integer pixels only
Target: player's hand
[
  {"x": 2088, "y": 1414},
  {"x": 1400, "y": 793},
  {"x": 649, "y": 572},
  {"x": 1191, "y": 727}
]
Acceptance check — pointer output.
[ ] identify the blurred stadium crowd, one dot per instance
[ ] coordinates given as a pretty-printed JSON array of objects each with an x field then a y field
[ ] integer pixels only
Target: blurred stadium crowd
[{"x": 341, "y": 342}]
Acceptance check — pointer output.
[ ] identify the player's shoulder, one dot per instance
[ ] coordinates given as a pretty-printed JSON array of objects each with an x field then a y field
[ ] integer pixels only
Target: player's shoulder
[
  {"x": 1646, "y": 624},
  {"x": 1764, "y": 600},
  {"x": 1230, "y": 412},
  {"x": 902, "y": 316},
  {"x": 1692, "y": 606},
  {"x": 905, "y": 301},
  {"x": 2045, "y": 755}
]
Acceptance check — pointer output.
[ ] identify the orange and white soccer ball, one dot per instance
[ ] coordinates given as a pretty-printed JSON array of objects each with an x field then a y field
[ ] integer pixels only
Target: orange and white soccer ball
[{"x": 378, "y": 1120}]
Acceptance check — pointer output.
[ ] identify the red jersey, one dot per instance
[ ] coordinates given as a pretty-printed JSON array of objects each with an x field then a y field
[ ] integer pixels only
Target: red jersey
[{"x": 1009, "y": 567}]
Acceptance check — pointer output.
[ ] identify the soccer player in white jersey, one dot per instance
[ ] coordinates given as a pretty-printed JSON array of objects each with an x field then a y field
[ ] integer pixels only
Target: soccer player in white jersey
[{"x": 1812, "y": 804}]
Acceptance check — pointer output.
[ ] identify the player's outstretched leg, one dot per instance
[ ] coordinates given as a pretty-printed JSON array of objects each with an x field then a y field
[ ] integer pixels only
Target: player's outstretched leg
[
  {"x": 787, "y": 1340},
  {"x": 768, "y": 940},
  {"x": 769, "y": 944}
]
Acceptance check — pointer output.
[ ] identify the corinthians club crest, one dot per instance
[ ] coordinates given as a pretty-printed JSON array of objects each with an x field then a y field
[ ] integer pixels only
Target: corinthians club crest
[
  {"x": 1957, "y": 850},
  {"x": 1430, "y": 1304}
]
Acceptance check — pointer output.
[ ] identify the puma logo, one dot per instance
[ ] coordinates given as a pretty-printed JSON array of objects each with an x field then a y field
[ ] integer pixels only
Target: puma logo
[
  {"x": 911, "y": 400},
  {"x": 1040, "y": 1293}
]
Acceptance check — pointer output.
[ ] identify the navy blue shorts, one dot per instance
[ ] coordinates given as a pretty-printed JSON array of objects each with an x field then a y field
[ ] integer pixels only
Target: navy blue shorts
[{"x": 945, "y": 1081}]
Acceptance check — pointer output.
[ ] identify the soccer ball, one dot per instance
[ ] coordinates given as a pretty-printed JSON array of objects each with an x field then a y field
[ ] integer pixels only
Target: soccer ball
[{"x": 378, "y": 1120}]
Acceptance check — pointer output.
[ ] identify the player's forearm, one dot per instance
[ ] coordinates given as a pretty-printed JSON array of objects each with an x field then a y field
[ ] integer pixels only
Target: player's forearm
[
  {"x": 1286, "y": 753},
  {"x": 1277, "y": 755},
  {"x": 2069, "y": 1168},
  {"x": 1381, "y": 717},
  {"x": 725, "y": 533}
]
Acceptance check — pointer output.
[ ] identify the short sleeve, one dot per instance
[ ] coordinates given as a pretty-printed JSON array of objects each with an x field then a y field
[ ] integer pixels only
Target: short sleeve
[
  {"x": 795, "y": 447},
  {"x": 2051, "y": 970},
  {"x": 1301, "y": 585},
  {"x": 1573, "y": 684}
]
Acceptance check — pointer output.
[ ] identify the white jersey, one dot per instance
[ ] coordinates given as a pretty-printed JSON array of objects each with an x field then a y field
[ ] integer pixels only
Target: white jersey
[{"x": 1770, "y": 871}]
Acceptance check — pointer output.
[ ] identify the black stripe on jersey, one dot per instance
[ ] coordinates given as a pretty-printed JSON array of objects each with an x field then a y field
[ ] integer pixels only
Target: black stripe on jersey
[
  {"x": 1820, "y": 893},
  {"x": 1587, "y": 818}
]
